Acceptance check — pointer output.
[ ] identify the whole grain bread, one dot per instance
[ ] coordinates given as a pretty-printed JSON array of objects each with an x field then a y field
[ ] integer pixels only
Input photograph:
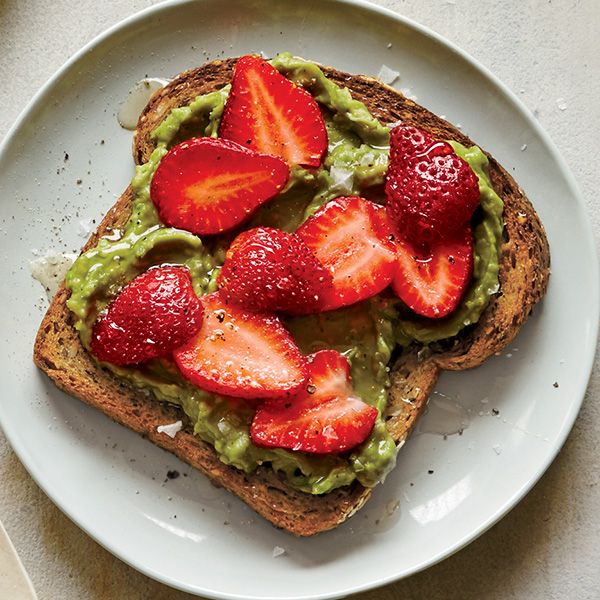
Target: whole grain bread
[{"x": 524, "y": 271}]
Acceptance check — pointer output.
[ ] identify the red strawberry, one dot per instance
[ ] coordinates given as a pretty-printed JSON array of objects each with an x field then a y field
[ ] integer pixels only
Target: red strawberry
[
  {"x": 433, "y": 280},
  {"x": 208, "y": 186},
  {"x": 323, "y": 418},
  {"x": 271, "y": 114},
  {"x": 154, "y": 314},
  {"x": 269, "y": 270},
  {"x": 410, "y": 141},
  {"x": 241, "y": 354},
  {"x": 353, "y": 239},
  {"x": 431, "y": 191}
]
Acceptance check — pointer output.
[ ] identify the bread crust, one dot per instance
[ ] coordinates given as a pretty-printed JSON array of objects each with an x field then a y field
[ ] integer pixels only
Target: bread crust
[{"x": 524, "y": 271}]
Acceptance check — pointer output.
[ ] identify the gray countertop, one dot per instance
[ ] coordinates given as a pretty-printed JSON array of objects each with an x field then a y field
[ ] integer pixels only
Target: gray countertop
[{"x": 548, "y": 52}]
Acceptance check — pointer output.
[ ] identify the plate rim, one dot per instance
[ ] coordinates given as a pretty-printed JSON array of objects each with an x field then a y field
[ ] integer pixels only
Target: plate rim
[{"x": 23, "y": 454}]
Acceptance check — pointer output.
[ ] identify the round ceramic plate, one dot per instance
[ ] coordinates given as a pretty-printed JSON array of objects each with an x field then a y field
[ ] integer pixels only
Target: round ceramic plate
[{"x": 61, "y": 168}]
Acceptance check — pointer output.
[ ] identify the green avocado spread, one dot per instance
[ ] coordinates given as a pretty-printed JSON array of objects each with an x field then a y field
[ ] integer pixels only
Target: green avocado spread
[{"x": 366, "y": 333}]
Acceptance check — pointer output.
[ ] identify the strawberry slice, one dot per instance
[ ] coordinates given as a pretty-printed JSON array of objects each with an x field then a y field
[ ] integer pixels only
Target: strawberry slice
[
  {"x": 241, "y": 354},
  {"x": 432, "y": 192},
  {"x": 432, "y": 280},
  {"x": 325, "y": 417},
  {"x": 269, "y": 270},
  {"x": 153, "y": 314},
  {"x": 352, "y": 238},
  {"x": 208, "y": 186},
  {"x": 271, "y": 114}
]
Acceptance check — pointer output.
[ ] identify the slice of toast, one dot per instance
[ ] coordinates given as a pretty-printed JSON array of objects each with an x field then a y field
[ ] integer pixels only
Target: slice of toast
[{"x": 524, "y": 271}]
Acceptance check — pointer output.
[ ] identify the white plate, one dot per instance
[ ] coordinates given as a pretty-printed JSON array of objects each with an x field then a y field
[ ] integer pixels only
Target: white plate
[{"x": 111, "y": 482}]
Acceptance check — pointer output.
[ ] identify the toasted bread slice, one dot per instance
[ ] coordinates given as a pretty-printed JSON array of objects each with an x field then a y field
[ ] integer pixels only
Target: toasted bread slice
[{"x": 524, "y": 272}]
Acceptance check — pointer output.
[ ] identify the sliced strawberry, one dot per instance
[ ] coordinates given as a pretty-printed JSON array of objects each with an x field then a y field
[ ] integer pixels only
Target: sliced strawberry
[
  {"x": 208, "y": 186},
  {"x": 431, "y": 191},
  {"x": 269, "y": 270},
  {"x": 154, "y": 314},
  {"x": 271, "y": 114},
  {"x": 353, "y": 239},
  {"x": 433, "y": 280},
  {"x": 325, "y": 417},
  {"x": 241, "y": 354}
]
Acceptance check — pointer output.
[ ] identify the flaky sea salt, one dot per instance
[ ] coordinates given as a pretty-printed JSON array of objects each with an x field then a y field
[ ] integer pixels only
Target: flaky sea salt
[
  {"x": 85, "y": 227},
  {"x": 387, "y": 75},
  {"x": 172, "y": 429},
  {"x": 343, "y": 179}
]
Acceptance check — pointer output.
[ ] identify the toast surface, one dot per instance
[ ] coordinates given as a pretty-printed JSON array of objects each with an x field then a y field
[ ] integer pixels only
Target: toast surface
[{"x": 524, "y": 270}]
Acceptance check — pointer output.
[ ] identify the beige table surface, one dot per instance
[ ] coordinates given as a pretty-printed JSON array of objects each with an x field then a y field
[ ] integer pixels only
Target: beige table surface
[{"x": 549, "y": 545}]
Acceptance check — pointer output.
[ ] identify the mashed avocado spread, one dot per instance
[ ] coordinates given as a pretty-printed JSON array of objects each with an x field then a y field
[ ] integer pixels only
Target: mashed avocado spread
[{"x": 366, "y": 333}]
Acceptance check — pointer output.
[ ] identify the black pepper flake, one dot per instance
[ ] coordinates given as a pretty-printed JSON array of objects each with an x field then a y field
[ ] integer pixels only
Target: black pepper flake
[
  {"x": 66, "y": 157},
  {"x": 495, "y": 412},
  {"x": 555, "y": 384},
  {"x": 172, "y": 474},
  {"x": 430, "y": 471}
]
